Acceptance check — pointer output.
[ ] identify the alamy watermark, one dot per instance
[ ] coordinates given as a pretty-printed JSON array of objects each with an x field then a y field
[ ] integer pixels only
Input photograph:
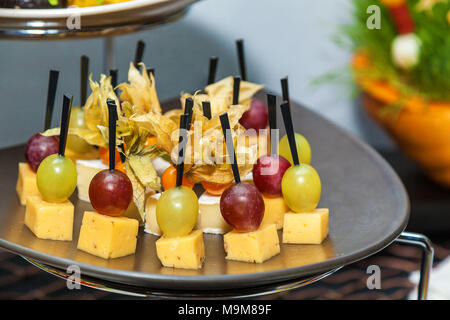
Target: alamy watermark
[
  {"x": 374, "y": 20},
  {"x": 374, "y": 280},
  {"x": 74, "y": 280},
  {"x": 73, "y": 22}
]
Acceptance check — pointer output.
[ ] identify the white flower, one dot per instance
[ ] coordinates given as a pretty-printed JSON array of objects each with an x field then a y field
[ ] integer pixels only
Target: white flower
[{"x": 405, "y": 51}]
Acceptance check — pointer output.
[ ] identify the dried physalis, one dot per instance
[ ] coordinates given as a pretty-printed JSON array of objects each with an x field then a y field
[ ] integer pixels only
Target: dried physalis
[
  {"x": 223, "y": 89},
  {"x": 95, "y": 114},
  {"x": 208, "y": 153},
  {"x": 140, "y": 92}
]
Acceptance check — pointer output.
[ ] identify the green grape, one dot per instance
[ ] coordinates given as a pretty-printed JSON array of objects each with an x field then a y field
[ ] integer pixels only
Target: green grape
[
  {"x": 303, "y": 149},
  {"x": 56, "y": 178},
  {"x": 177, "y": 211},
  {"x": 301, "y": 188},
  {"x": 74, "y": 142}
]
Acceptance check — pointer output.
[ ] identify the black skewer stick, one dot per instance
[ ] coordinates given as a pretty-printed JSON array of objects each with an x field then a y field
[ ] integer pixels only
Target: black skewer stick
[
  {"x": 212, "y": 69},
  {"x": 151, "y": 71},
  {"x": 230, "y": 147},
  {"x": 241, "y": 58},
  {"x": 207, "y": 109},
  {"x": 272, "y": 103},
  {"x": 113, "y": 73},
  {"x": 188, "y": 106},
  {"x": 182, "y": 143},
  {"x": 84, "y": 74},
  {"x": 51, "y": 94},
  {"x": 65, "y": 119},
  {"x": 139, "y": 53},
  {"x": 112, "y": 116},
  {"x": 236, "y": 88},
  {"x": 113, "y": 112},
  {"x": 285, "y": 89},
  {"x": 287, "y": 119}
]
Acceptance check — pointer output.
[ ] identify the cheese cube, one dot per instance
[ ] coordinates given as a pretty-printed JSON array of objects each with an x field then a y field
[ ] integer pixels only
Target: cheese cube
[
  {"x": 86, "y": 170},
  {"x": 210, "y": 218},
  {"x": 151, "y": 225},
  {"x": 256, "y": 246},
  {"x": 275, "y": 209},
  {"x": 187, "y": 252},
  {"x": 26, "y": 183},
  {"x": 108, "y": 237},
  {"x": 306, "y": 228},
  {"x": 49, "y": 220}
]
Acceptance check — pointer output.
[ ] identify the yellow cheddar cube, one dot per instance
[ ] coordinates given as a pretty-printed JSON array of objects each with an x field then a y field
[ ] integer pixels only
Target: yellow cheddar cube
[
  {"x": 49, "y": 220},
  {"x": 151, "y": 225},
  {"x": 26, "y": 183},
  {"x": 210, "y": 218},
  {"x": 256, "y": 246},
  {"x": 306, "y": 228},
  {"x": 187, "y": 252},
  {"x": 86, "y": 170},
  {"x": 107, "y": 237},
  {"x": 275, "y": 209}
]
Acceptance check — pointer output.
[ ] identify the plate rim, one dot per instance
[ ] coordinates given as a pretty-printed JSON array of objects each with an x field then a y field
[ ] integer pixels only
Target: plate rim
[{"x": 224, "y": 281}]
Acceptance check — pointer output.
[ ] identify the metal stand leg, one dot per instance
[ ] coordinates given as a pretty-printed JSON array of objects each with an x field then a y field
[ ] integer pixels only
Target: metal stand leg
[
  {"x": 108, "y": 54},
  {"x": 420, "y": 240}
]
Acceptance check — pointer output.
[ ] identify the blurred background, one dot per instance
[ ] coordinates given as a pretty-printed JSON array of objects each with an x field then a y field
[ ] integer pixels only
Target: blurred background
[
  {"x": 282, "y": 38},
  {"x": 285, "y": 37}
]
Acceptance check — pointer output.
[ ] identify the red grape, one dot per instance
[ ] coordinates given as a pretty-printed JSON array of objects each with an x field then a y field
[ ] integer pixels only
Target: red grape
[
  {"x": 268, "y": 172},
  {"x": 110, "y": 192},
  {"x": 256, "y": 117},
  {"x": 38, "y": 148},
  {"x": 242, "y": 206}
]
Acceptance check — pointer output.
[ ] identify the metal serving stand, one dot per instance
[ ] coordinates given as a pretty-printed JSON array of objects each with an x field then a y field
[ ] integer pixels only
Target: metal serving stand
[
  {"x": 406, "y": 238},
  {"x": 104, "y": 22}
]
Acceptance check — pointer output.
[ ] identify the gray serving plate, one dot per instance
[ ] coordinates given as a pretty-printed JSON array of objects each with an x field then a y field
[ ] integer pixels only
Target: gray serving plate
[{"x": 368, "y": 205}]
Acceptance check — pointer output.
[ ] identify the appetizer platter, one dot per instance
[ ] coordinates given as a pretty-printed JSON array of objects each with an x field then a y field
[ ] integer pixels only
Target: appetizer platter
[
  {"x": 54, "y": 20},
  {"x": 211, "y": 191}
]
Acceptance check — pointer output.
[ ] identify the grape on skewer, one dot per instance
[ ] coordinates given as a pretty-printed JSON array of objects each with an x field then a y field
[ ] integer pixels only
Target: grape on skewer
[
  {"x": 269, "y": 169},
  {"x": 177, "y": 208},
  {"x": 111, "y": 190},
  {"x": 241, "y": 204},
  {"x": 301, "y": 186},
  {"x": 57, "y": 176}
]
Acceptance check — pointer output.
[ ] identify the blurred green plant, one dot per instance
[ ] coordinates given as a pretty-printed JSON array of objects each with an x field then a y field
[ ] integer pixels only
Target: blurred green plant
[{"x": 431, "y": 77}]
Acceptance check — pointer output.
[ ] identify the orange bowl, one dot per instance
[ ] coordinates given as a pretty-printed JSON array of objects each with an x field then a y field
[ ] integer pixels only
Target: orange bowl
[{"x": 420, "y": 129}]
